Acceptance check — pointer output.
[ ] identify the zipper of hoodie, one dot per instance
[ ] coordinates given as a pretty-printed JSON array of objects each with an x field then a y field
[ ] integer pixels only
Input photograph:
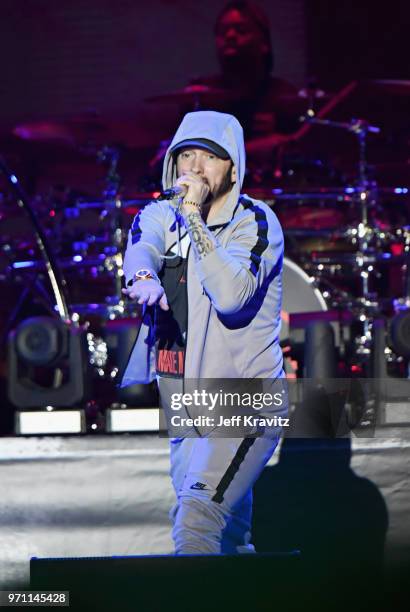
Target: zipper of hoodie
[
  {"x": 187, "y": 306},
  {"x": 203, "y": 291},
  {"x": 187, "y": 313},
  {"x": 187, "y": 327}
]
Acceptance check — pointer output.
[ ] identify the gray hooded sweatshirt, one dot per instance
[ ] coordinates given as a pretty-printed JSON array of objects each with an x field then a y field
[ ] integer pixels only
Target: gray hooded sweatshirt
[{"x": 228, "y": 326}]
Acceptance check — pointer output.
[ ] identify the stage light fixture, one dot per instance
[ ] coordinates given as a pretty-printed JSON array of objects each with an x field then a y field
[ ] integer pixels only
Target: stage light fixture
[
  {"x": 392, "y": 394},
  {"x": 40, "y": 341},
  {"x": 51, "y": 422},
  {"x": 133, "y": 419},
  {"x": 400, "y": 333},
  {"x": 47, "y": 364}
]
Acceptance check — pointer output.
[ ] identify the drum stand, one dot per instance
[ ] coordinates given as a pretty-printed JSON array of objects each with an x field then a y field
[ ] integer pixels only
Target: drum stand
[
  {"x": 363, "y": 234},
  {"x": 112, "y": 209}
]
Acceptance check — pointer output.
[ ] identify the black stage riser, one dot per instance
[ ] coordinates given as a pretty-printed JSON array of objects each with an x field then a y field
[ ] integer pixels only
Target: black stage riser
[{"x": 201, "y": 582}]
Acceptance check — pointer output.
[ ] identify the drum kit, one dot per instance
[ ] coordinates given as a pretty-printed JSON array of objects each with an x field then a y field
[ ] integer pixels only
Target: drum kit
[{"x": 347, "y": 237}]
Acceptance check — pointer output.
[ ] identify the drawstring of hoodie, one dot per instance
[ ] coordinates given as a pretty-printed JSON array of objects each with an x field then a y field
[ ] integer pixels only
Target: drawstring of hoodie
[{"x": 176, "y": 225}]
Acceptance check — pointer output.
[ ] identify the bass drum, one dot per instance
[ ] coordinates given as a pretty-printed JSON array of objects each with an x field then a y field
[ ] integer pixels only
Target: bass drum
[{"x": 299, "y": 295}]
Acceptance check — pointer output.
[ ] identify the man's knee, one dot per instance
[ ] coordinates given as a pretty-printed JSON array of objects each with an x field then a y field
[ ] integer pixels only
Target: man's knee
[{"x": 198, "y": 526}]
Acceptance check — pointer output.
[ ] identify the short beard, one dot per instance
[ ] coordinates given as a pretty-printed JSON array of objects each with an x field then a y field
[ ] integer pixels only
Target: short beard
[{"x": 224, "y": 188}]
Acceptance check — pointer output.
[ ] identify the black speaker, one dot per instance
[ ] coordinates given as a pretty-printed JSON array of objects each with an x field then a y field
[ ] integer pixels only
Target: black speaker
[
  {"x": 120, "y": 336},
  {"x": 320, "y": 352},
  {"x": 166, "y": 583}
]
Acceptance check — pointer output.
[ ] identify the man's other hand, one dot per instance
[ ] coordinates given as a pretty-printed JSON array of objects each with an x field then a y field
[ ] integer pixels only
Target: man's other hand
[{"x": 147, "y": 292}]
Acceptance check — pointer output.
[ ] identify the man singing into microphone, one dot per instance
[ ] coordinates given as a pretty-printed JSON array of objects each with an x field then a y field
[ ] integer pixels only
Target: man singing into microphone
[{"x": 212, "y": 270}]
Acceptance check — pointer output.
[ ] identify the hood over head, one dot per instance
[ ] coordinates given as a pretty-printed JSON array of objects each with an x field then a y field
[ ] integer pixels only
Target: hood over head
[{"x": 220, "y": 128}]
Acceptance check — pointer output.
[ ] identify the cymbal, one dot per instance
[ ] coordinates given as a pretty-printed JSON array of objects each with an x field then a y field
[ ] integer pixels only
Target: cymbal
[
  {"x": 203, "y": 95},
  {"x": 70, "y": 132},
  {"x": 17, "y": 146},
  {"x": 85, "y": 132},
  {"x": 300, "y": 101},
  {"x": 195, "y": 95}
]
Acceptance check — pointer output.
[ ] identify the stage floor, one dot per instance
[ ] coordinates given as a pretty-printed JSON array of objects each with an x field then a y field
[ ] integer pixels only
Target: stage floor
[{"x": 103, "y": 495}]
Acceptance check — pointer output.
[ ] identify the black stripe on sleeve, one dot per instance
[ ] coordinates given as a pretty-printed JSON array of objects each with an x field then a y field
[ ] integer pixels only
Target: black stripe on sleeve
[
  {"x": 136, "y": 230},
  {"x": 232, "y": 469},
  {"x": 262, "y": 234}
]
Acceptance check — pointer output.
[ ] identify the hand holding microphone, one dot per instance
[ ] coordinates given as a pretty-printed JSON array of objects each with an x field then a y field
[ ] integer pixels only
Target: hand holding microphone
[
  {"x": 176, "y": 191},
  {"x": 189, "y": 186}
]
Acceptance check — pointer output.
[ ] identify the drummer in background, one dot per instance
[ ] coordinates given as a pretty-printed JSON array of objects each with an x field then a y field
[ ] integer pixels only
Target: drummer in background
[
  {"x": 245, "y": 54},
  {"x": 255, "y": 97}
]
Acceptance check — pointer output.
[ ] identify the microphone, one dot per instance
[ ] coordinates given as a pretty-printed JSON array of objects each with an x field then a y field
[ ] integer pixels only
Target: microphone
[{"x": 175, "y": 192}]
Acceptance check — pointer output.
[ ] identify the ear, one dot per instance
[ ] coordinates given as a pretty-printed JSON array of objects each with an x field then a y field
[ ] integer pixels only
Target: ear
[{"x": 233, "y": 174}]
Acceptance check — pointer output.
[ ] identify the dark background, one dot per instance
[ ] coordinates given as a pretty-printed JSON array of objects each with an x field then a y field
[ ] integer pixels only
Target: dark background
[
  {"x": 356, "y": 39},
  {"x": 60, "y": 58},
  {"x": 71, "y": 56}
]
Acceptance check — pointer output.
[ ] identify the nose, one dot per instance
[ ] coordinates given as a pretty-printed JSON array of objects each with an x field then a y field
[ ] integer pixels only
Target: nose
[
  {"x": 231, "y": 34},
  {"x": 197, "y": 165}
]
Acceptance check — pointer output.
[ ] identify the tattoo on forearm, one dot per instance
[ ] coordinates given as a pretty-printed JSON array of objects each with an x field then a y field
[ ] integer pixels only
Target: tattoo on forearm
[{"x": 202, "y": 239}]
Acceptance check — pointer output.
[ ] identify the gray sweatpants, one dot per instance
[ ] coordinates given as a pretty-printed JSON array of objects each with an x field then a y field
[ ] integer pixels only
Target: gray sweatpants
[{"x": 213, "y": 479}]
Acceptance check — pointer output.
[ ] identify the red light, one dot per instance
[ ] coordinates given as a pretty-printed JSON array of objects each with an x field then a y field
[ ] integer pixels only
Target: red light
[
  {"x": 397, "y": 248},
  {"x": 155, "y": 194},
  {"x": 355, "y": 368},
  {"x": 52, "y": 213}
]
